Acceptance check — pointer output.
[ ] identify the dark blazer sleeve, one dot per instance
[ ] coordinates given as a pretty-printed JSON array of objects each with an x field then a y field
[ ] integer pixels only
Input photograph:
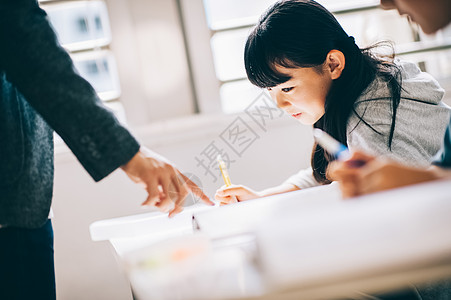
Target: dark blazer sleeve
[{"x": 43, "y": 72}]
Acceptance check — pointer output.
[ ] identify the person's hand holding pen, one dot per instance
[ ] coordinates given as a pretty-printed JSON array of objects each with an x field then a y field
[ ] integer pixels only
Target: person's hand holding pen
[
  {"x": 230, "y": 193},
  {"x": 377, "y": 174},
  {"x": 161, "y": 180},
  {"x": 360, "y": 173},
  {"x": 351, "y": 179},
  {"x": 347, "y": 168},
  {"x": 235, "y": 193},
  {"x": 225, "y": 176}
]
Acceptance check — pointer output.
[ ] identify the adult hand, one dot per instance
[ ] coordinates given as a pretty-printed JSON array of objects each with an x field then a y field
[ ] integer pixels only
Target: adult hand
[
  {"x": 348, "y": 175},
  {"x": 378, "y": 174},
  {"x": 235, "y": 193},
  {"x": 166, "y": 186}
]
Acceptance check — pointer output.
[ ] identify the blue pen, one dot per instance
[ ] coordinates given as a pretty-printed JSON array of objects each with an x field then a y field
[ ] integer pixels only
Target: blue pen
[{"x": 334, "y": 147}]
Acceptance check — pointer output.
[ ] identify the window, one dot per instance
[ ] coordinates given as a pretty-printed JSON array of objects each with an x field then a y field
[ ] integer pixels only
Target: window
[{"x": 83, "y": 29}]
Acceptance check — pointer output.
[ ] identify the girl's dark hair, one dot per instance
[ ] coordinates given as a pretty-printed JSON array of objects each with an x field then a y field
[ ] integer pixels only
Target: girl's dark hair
[{"x": 300, "y": 33}]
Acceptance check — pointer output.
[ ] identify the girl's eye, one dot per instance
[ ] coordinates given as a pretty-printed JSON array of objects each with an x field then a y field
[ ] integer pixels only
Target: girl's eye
[
  {"x": 286, "y": 90},
  {"x": 269, "y": 89}
]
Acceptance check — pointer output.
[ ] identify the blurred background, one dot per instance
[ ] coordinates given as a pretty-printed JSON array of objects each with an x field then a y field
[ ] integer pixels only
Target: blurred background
[{"x": 172, "y": 71}]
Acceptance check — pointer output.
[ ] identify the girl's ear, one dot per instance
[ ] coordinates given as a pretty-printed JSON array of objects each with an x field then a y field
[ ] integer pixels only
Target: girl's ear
[{"x": 335, "y": 63}]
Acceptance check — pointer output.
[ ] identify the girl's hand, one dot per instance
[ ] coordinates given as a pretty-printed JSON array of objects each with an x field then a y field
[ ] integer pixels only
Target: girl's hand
[{"x": 235, "y": 193}]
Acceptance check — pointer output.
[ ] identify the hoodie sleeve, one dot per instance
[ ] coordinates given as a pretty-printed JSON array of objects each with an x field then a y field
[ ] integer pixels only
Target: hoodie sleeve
[
  {"x": 43, "y": 72},
  {"x": 418, "y": 132}
]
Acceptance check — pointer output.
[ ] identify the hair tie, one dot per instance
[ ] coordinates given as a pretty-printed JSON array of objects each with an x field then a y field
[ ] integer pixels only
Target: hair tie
[{"x": 349, "y": 43}]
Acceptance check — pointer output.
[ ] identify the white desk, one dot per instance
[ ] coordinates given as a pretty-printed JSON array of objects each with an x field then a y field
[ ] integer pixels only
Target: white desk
[{"x": 301, "y": 245}]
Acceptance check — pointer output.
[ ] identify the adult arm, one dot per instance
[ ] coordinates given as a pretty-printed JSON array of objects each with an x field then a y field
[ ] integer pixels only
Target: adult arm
[{"x": 43, "y": 72}]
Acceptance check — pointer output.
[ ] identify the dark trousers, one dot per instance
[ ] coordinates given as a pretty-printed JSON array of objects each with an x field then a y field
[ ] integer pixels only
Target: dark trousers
[{"x": 26, "y": 263}]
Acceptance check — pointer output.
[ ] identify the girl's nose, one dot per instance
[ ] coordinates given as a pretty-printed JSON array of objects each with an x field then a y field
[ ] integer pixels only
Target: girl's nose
[{"x": 282, "y": 101}]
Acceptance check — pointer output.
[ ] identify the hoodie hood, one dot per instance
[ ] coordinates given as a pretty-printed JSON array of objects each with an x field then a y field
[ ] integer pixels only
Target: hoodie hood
[{"x": 416, "y": 85}]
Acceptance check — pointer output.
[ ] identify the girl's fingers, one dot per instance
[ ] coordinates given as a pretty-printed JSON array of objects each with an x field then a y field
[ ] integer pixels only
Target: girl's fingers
[
  {"x": 222, "y": 198},
  {"x": 238, "y": 190},
  {"x": 227, "y": 200}
]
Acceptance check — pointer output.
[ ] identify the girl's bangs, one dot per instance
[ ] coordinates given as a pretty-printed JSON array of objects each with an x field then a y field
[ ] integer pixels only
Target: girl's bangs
[{"x": 260, "y": 66}]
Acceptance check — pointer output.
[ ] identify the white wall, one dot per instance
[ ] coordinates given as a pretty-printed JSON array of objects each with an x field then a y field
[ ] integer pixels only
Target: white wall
[
  {"x": 89, "y": 270},
  {"x": 148, "y": 44}
]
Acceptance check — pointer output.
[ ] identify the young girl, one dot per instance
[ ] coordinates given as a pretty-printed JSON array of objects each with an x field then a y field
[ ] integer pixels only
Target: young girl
[{"x": 316, "y": 73}]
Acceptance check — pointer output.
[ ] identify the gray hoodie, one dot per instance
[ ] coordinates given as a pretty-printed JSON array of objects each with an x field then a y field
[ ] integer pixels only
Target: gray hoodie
[{"x": 421, "y": 122}]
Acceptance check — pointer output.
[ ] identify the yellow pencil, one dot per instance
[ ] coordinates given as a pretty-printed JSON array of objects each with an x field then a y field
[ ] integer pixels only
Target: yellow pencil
[
  {"x": 225, "y": 176},
  {"x": 224, "y": 172}
]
